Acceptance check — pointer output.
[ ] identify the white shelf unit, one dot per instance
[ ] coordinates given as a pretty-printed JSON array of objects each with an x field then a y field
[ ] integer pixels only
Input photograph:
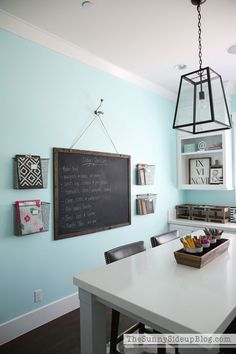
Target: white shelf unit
[{"x": 223, "y": 155}]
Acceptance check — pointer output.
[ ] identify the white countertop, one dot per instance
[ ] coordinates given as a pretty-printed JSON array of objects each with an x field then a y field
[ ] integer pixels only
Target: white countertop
[
  {"x": 229, "y": 226},
  {"x": 176, "y": 297}
]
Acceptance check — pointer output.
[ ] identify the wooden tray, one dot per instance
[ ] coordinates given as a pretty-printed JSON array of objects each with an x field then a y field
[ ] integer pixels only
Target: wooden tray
[{"x": 199, "y": 260}]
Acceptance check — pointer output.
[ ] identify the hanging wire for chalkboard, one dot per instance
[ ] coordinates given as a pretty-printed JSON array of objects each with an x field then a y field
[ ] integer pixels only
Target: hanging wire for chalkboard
[
  {"x": 97, "y": 115},
  {"x": 108, "y": 135},
  {"x": 80, "y": 136}
]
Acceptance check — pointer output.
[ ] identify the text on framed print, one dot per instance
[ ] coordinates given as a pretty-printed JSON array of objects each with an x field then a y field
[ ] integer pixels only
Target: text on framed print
[{"x": 199, "y": 170}]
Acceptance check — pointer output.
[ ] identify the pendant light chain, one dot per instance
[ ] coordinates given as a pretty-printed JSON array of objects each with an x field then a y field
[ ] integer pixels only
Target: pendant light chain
[{"x": 199, "y": 37}]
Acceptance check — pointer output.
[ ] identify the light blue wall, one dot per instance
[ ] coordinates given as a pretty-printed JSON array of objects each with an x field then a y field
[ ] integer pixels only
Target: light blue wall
[
  {"x": 213, "y": 197},
  {"x": 46, "y": 100},
  {"x": 233, "y": 104},
  {"x": 226, "y": 198}
]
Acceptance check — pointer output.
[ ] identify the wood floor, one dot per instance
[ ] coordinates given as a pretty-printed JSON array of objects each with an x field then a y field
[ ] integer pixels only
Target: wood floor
[{"x": 60, "y": 336}]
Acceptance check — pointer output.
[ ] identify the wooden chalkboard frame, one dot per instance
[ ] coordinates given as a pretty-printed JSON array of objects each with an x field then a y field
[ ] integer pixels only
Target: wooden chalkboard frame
[{"x": 56, "y": 155}]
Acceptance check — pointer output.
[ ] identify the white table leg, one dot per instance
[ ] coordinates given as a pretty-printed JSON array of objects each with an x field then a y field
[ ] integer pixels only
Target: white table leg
[{"x": 92, "y": 324}]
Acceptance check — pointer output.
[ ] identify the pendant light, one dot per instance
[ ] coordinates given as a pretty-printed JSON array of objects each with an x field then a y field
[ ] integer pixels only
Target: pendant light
[{"x": 201, "y": 103}]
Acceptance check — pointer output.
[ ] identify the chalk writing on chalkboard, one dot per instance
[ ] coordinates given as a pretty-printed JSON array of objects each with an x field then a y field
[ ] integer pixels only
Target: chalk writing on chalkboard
[{"x": 91, "y": 192}]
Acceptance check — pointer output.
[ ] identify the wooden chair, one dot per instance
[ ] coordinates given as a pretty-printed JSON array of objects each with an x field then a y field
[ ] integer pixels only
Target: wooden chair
[
  {"x": 163, "y": 238},
  {"x": 114, "y": 255},
  {"x": 160, "y": 240}
]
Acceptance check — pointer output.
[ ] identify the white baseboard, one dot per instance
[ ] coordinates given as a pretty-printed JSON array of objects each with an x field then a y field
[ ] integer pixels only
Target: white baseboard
[{"x": 33, "y": 319}]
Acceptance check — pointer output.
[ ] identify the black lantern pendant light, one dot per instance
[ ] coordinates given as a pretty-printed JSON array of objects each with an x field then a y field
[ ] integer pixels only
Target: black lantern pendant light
[{"x": 201, "y": 104}]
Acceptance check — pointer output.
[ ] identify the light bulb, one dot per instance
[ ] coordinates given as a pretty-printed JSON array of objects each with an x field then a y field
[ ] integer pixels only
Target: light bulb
[
  {"x": 202, "y": 107},
  {"x": 202, "y": 104}
]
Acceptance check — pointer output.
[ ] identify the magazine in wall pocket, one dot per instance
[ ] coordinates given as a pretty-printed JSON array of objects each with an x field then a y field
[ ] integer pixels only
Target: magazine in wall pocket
[
  {"x": 29, "y": 171},
  {"x": 29, "y": 216}
]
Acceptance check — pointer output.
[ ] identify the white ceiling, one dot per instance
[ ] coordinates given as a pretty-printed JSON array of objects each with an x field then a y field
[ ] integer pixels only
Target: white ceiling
[{"x": 146, "y": 37}]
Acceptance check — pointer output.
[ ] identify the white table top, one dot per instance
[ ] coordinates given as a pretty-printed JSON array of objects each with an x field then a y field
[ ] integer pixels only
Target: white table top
[{"x": 176, "y": 297}]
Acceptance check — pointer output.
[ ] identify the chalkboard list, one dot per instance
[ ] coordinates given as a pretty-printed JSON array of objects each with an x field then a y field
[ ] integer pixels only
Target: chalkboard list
[{"x": 91, "y": 191}]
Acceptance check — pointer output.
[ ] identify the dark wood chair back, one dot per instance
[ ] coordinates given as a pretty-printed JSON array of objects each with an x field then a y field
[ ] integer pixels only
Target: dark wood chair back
[
  {"x": 124, "y": 251},
  {"x": 111, "y": 256},
  {"x": 163, "y": 238}
]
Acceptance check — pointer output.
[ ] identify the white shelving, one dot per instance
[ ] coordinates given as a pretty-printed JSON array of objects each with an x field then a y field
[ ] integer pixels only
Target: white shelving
[
  {"x": 188, "y": 148},
  {"x": 202, "y": 152}
]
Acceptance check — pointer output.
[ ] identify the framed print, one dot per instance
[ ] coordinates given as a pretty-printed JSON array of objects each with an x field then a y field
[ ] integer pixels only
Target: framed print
[
  {"x": 232, "y": 214},
  {"x": 216, "y": 175},
  {"x": 199, "y": 170}
]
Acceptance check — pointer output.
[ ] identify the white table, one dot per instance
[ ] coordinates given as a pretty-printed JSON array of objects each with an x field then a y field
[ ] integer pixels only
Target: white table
[{"x": 152, "y": 288}]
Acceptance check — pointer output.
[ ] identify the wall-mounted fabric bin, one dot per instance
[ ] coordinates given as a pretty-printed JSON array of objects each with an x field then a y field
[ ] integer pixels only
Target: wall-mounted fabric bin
[
  {"x": 45, "y": 214},
  {"x": 44, "y": 168}
]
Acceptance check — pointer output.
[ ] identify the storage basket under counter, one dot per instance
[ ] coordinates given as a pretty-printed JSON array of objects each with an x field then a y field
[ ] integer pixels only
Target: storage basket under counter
[{"x": 208, "y": 213}]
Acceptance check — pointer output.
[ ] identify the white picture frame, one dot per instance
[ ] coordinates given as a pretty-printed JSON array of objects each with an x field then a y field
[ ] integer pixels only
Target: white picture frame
[
  {"x": 216, "y": 175},
  {"x": 199, "y": 170}
]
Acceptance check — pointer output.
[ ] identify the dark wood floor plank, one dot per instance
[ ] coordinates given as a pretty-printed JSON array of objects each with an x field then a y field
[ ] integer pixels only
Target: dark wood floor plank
[{"x": 60, "y": 336}]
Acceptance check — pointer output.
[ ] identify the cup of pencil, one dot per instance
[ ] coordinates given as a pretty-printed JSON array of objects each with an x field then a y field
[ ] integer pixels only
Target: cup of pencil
[
  {"x": 191, "y": 244},
  {"x": 213, "y": 234},
  {"x": 205, "y": 241}
]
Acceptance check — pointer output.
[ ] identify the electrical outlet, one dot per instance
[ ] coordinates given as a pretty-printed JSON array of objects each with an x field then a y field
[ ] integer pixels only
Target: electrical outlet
[{"x": 38, "y": 295}]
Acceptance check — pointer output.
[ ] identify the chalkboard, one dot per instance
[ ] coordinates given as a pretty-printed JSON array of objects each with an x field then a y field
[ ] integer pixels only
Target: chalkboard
[{"x": 91, "y": 192}]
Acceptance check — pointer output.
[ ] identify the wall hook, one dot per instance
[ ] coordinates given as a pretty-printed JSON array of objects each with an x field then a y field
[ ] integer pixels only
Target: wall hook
[{"x": 97, "y": 112}]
